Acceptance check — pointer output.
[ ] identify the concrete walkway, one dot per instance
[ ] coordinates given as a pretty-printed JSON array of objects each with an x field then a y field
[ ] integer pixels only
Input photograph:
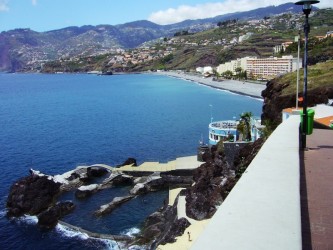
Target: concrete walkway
[
  {"x": 188, "y": 162},
  {"x": 317, "y": 191}
]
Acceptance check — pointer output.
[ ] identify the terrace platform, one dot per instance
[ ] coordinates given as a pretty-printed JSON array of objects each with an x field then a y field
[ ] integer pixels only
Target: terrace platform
[{"x": 188, "y": 162}]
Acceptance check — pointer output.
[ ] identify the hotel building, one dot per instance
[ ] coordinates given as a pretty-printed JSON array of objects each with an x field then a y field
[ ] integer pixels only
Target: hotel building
[
  {"x": 271, "y": 67},
  {"x": 261, "y": 67}
]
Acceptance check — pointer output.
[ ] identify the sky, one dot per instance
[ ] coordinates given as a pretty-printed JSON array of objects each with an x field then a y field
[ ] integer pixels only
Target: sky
[{"x": 45, "y": 15}]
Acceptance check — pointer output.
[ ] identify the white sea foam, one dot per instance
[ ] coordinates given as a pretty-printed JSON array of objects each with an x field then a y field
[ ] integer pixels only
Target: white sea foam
[
  {"x": 70, "y": 233},
  {"x": 256, "y": 98},
  {"x": 227, "y": 91},
  {"x": 28, "y": 219},
  {"x": 137, "y": 248},
  {"x": 56, "y": 178},
  {"x": 36, "y": 172},
  {"x": 110, "y": 244},
  {"x": 131, "y": 232},
  {"x": 3, "y": 213}
]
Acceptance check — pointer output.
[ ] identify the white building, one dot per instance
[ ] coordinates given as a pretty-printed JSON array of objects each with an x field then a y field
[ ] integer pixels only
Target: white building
[
  {"x": 204, "y": 70},
  {"x": 200, "y": 70},
  {"x": 232, "y": 65},
  {"x": 271, "y": 67},
  {"x": 261, "y": 67},
  {"x": 227, "y": 130},
  {"x": 245, "y": 37}
]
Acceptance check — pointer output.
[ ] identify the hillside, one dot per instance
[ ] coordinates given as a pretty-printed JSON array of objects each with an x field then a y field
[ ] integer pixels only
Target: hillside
[
  {"x": 281, "y": 92},
  {"x": 27, "y": 49},
  {"x": 230, "y": 40}
]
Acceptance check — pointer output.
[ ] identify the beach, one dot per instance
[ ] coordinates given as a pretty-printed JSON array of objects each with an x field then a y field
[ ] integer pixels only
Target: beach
[{"x": 239, "y": 87}]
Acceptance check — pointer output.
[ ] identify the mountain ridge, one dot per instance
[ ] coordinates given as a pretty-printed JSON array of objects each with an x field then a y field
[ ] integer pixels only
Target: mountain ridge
[{"x": 20, "y": 47}]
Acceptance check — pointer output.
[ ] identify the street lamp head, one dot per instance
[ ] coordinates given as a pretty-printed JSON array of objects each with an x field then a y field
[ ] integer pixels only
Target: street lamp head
[{"x": 307, "y": 5}]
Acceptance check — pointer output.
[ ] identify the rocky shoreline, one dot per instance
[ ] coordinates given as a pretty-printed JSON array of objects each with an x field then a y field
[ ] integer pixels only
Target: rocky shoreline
[{"x": 205, "y": 188}]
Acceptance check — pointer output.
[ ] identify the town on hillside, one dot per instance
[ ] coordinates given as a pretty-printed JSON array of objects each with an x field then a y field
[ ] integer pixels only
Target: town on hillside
[{"x": 231, "y": 47}]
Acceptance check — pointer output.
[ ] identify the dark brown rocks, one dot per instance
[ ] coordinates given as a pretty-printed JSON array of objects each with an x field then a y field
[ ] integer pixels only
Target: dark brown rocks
[
  {"x": 122, "y": 180},
  {"x": 275, "y": 101},
  {"x": 96, "y": 172},
  {"x": 50, "y": 217},
  {"x": 163, "y": 227},
  {"x": 177, "y": 229},
  {"x": 246, "y": 155},
  {"x": 160, "y": 183},
  {"x": 31, "y": 195},
  {"x": 116, "y": 202},
  {"x": 214, "y": 181},
  {"x": 129, "y": 161}
]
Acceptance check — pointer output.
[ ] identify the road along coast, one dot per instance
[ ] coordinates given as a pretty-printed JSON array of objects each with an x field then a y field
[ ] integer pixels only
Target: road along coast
[{"x": 239, "y": 87}]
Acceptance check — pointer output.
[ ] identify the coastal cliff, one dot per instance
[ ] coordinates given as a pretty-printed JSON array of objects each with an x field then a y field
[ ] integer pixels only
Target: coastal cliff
[
  {"x": 214, "y": 180},
  {"x": 280, "y": 93}
]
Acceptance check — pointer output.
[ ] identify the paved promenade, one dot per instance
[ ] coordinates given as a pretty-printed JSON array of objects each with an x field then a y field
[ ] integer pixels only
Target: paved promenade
[{"x": 317, "y": 191}]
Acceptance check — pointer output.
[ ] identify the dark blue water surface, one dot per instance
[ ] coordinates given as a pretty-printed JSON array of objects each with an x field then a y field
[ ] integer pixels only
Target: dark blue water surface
[{"x": 53, "y": 123}]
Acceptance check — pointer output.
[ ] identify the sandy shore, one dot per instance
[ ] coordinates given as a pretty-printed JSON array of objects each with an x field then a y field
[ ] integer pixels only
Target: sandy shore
[
  {"x": 239, "y": 87},
  {"x": 195, "y": 229}
]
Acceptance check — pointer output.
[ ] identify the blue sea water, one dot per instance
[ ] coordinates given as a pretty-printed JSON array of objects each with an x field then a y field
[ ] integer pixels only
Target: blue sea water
[{"x": 53, "y": 123}]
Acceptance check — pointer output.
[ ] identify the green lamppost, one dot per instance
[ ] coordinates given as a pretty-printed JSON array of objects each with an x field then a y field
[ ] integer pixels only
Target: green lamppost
[{"x": 307, "y": 6}]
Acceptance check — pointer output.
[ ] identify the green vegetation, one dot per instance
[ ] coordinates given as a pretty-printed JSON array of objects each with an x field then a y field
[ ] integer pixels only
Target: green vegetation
[
  {"x": 220, "y": 147},
  {"x": 241, "y": 168},
  {"x": 213, "y": 47},
  {"x": 319, "y": 75},
  {"x": 182, "y": 33},
  {"x": 244, "y": 126},
  {"x": 319, "y": 50},
  {"x": 267, "y": 130},
  {"x": 321, "y": 22},
  {"x": 226, "y": 23}
]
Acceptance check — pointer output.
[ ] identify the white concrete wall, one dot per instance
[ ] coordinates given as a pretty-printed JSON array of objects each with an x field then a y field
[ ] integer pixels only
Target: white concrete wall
[{"x": 263, "y": 209}]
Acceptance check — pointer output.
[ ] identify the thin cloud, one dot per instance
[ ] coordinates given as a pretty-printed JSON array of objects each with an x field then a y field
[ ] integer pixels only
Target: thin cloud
[
  {"x": 184, "y": 12},
  {"x": 34, "y": 2},
  {"x": 4, "y": 5}
]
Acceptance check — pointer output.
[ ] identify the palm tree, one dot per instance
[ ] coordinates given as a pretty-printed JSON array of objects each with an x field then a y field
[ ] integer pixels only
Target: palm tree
[
  {"x": 238, "y": 71},
  {"x": 244, "y": 126},
  {"x": 227, "y": 74}
]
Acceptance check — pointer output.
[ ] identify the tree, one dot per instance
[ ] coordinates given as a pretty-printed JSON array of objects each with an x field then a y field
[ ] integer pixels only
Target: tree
[
  {"x": 227, "y": 74},
  {"x": 238, "y": 71},
  {"x": 216, "y": 73},
  {"x": 182, "y": 33},
  {"x": 244, "y": 125},
  {"x": 167, "y": 59},
  {"x": 251, "y": 75},
  {"x": 245, "y": 74}
]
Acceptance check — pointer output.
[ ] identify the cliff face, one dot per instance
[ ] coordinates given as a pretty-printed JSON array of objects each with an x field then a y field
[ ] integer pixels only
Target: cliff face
[
  {"x": 214, "y": 181},
  {"x": 275, "y": 101}
]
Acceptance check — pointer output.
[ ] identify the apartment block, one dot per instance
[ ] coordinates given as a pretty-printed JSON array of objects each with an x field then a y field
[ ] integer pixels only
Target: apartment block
[
  {"x": 261, "y": 67},
  {"x": 271, "y": 67}
]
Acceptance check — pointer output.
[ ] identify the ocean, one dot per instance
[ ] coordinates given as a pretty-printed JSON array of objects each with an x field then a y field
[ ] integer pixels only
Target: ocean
[{"x": 53, "y": 123}]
